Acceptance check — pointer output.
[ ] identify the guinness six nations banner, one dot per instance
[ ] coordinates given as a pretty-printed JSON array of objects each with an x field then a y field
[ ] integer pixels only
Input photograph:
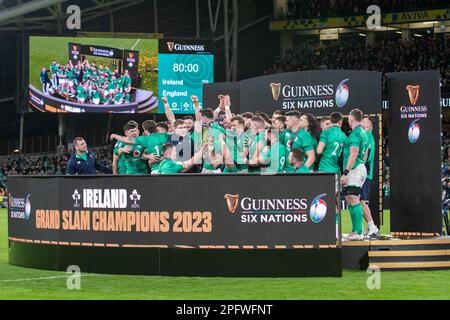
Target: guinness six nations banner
[{"x": 197, "y": 211}]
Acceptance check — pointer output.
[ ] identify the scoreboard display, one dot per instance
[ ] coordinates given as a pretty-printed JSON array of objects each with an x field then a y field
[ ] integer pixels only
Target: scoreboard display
[
  {"x": 116, "y": 75},
  {"x": 184, "y": 66}
]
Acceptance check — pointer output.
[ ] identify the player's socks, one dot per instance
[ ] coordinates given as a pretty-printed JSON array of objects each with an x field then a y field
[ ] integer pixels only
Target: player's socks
[
  {"x": 372, "y": 227},
  {"x": 352, "y": 216},
  {"x": 358, "y": 214}
]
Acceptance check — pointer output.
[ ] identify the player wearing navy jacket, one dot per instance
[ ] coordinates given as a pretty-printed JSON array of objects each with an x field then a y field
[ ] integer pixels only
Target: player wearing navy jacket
[{"x": 83, "y": 161}]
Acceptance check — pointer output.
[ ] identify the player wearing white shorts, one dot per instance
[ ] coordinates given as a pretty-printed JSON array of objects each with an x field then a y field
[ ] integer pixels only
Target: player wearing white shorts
[{"x": 355, "y": 172}]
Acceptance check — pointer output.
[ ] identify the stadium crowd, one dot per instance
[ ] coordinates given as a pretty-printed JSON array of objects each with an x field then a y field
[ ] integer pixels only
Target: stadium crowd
[
  {"x": 299, "y": 9},
  {"x": 87, "y": 83},
  {"x": 387, "y": 56},
  {"x": 48, "y": 164}
]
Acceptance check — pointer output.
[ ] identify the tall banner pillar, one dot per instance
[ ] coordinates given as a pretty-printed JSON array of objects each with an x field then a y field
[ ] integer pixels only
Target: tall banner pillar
[{"x": 415, "y": 153}]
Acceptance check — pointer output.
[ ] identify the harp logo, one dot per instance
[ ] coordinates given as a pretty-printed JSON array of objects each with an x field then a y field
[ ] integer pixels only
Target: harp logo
[
  {"x": 276, "y": 90},
  {"x": 232, "y": 202},
  {"x": 413, "y": 93},
  {"x": 170, "y": 46}
]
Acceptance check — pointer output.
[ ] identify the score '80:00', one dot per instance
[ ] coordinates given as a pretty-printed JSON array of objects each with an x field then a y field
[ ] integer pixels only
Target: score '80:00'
[{"x": 181, "y": 67}]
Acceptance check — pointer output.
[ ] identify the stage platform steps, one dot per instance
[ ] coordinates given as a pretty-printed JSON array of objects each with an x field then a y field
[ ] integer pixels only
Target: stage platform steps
[{"x": 398, "y": 255}]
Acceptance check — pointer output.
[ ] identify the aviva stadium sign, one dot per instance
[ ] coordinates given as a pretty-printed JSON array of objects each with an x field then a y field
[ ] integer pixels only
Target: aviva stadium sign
[{"x": 360, "y": 21}]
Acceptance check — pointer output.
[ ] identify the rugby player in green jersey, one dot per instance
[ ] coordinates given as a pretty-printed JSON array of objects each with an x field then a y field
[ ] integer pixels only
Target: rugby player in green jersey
[
  {"x": 126, "y": 82},
  {"x": 118, "y": 163},
  {"x": 288, "y": 135},
  {"x": 325, "y": 123},
  {"x": 273, "y": 153},
  {"x": 151, "y": 141},
  {"x": 135, "y": 159},
  {"x": 95, "y": 95},
  {"x": 236, "y": 151},
  {"x": 206, "y": 130},
  {"x": 307, "y": 138},
  {"x": 54, "y": 70},
  {"x": 257, "y": 144},
  {"x": 355, "y": 172},
  {"x": 135, "y": 162},
  {"x": 183, "y": 135},
  {"x": 331, "y": 144},
  {"x": 297, "y": 161},
  {"x": 113, "y": 85},
  {"x": 279, "y": 124},
  {"x": 81, "y": 93},
  {"x": 373, "y": 231},
  {"x": 118, "y": 98},
  {"x": 169, "y": 165},
  {"x": 275, "y": 115}
]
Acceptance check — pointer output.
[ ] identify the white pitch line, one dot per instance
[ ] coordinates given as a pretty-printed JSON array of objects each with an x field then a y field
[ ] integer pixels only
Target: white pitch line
[
  {"x": 135, "y": 44},
  {"x": 50, "y": 278}
]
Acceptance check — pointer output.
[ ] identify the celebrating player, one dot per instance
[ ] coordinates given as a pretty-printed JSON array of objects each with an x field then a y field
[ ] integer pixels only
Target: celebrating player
[
  {"x": 330, "y": 149},
  {"x": 355, "y": 172}
]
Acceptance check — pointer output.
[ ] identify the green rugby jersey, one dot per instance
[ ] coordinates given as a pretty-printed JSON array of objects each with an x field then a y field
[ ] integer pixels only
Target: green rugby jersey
[
  {"x": 153, "y": 143},
  {"x": 121, "y": 166},
  {"x": 358, "y": 138},
  {"x": 302, "y": 169},
  {"x": 134, "y": 162},
  {"x": 277, "y": 155},
  {"x": 256, "y": 140},
  {"x": 371, "y": 157},
  {"x": 168, "y": 166},
  {"x": 81, "y": 93},
  {"x": 299, "y": 140},
  {"x": 334, "y": 140}
]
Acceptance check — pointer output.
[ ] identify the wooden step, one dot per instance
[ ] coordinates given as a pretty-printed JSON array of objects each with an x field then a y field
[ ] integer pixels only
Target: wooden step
[{"x": 395, "y": 255}]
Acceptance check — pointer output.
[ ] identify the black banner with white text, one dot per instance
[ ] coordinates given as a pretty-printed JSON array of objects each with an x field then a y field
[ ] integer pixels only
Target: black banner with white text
[
  {"x": 195, "y": 211},
  {"x": 415, "y": 153}
]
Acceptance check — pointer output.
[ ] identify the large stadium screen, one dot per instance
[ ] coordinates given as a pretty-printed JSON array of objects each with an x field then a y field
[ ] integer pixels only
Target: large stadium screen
[
  {"x": 116, "y": 75},
  {"x": 184, "y": 66}
]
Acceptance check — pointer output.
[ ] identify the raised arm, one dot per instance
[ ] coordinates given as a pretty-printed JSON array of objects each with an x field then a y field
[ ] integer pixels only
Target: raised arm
[
  {"x": 122, "y": 139},
  {"x": 198, "y": 114},
  {"x": 169, "y": 113},
  {"x": 228, "y": 114}
]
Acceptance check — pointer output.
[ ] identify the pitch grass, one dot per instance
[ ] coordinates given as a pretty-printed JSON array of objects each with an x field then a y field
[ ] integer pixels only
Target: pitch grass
[
  {"x": 43, "y": 50},
  {"x": 15, "y": 283}
]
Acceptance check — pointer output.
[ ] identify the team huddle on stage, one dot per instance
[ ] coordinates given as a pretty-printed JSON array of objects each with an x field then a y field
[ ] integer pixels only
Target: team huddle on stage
[
  {"x": 88, "y": 83},
  {"x": 217, "y": 141}
]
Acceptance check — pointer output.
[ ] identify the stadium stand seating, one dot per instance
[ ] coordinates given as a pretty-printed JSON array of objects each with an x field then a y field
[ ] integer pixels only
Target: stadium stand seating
[{"x": 299, "y": 9}]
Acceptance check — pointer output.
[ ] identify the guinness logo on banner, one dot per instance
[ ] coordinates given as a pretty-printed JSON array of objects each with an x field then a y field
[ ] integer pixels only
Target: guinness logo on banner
[
  {"x": 232, "y": 202},
  {"x": 170, "y": 45},
  {"x": 413, "y": 92},
  {"x": 276, "y": 90}
]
